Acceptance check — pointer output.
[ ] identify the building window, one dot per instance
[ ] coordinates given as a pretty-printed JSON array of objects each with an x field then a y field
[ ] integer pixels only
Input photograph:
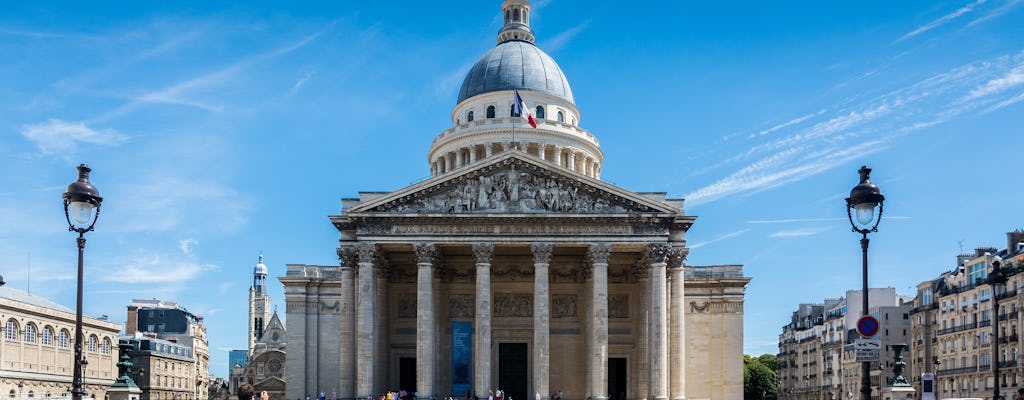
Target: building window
[
  {"x": 62, "y": 339},
  {"x": 91, "y": 343},
  {"x": 561, "y": 117},
  {"x": 105, "y": 349},
  {"x": 490, "y": 111},
  {"x": 30, "y": 333},
  {"x": 540, "y": 112},
  {"x": 469, "y": 117},
  {"x": 47, "y": 336},
  {"x": 11, "y": 329}
]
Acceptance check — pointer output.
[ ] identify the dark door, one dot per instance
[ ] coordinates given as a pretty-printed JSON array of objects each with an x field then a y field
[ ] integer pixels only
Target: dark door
[
  {"x": 617, "y": 378},
  {"x": 512, "y": 370},
  {"x": 407, "y": 374}
]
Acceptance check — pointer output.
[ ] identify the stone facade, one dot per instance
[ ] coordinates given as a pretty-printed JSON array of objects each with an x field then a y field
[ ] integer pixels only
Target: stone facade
[
  {"x": 37, "y": 348},
  {"x": 514, "y": 266}
]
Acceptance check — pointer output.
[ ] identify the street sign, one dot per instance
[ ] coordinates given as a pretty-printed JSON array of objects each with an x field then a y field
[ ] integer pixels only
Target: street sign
[
  {"x": 867, "y": 344},
  {"x": 866, "y": 355},
  {"x": 867, "y": 326}
]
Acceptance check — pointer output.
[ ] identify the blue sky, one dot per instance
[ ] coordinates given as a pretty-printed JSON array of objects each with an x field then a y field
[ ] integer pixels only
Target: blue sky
[{"x": 217, "y": 131}]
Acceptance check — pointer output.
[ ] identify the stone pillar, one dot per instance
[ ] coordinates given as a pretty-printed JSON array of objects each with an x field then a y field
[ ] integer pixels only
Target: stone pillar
[
  {"x": 643, "y": 365},
  {"x": 365, "y": 366},
  {"x": 557, "y": 151},
  {"x": 426, "y": 343},
  {"x": 483, "y": 252},
  {"x": 488, "y": 150},
  {"x": 472, "y": 153},
  {"x": 541, "y": 319},
  {"x": 598, "y": 354},
  {"x": 540, "y": 151},
  {"x": 677, "y": 324},
  {"x": 381, "y": 327},
  {"x": 570, "y": 156},
  {"x": 659, "y": 322},
  {"x": 347, "y": 333}
]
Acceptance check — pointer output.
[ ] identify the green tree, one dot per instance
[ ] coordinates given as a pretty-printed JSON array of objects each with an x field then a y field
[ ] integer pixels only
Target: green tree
[{"x": 760, "y": 381}]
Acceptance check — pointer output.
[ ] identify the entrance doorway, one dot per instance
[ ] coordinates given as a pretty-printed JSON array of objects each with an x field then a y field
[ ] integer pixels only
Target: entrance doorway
[
  {"x": 512, "y": 370},
  {"x": 407, "y": 374},
  {"x": 617, "y": 379}
]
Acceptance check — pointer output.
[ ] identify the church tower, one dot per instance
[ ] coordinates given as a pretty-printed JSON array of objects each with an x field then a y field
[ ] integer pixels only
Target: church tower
[{"x": 259, "y": 304}]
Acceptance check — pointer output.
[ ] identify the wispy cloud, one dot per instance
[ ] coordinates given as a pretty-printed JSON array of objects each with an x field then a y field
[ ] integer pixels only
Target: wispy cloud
[
  {"x": 942, "y": 20},
  {"x": 194, "y": 203},
  {"x": 792, "y": 220},
  {"x": 57, "y": 137},
  {"x": 187, "y": 246},
  {"x": 301, "y": 82},
  {"x": 726, "y": 236},
  {"x": 183, "y": 93},
  {"x": 786, "y": 124},
  {"x": 996, "y": 12},
  {"x": 155, "y": 268},
  {"x": 793, "y": 233},
  {"x": 865, "y": 126},
  {"x": 562, "y": 39}
]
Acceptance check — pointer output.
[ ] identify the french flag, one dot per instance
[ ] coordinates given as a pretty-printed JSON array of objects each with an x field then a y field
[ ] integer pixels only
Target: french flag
[{"x": 520, "y": 108}]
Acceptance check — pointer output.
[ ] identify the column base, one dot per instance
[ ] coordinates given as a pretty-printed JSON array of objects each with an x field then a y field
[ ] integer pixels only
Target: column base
[
  {"x": 679, "y": 398},
  {"x": 660, "y": 398}
]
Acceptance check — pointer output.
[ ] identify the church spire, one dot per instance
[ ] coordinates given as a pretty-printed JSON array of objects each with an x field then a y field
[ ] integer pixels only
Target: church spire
[{"x": 517, "y": 21}]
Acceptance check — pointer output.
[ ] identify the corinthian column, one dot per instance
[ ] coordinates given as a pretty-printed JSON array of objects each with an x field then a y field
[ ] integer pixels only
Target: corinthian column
[
  {"x": 598, "y": 255},
  {"x": 484, "y": 252},
  {"x": 426, "y": 344},
  {"x": 541, "y": 319},
  {"x": 347, "y": 333},
  {"x": 659, "y": 322},
  {"x": 365, "y": 320},
  {"x": 677, "y": 324}
]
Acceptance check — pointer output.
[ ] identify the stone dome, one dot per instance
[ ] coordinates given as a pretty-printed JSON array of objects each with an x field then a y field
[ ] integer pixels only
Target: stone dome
[
  {"x": 515, "y": 64},
  {"x": 260, "y": 268}
]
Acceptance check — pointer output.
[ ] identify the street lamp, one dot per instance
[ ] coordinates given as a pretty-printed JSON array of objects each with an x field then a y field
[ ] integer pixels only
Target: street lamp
[
  {"x": 996, "y": 280},
  {"x": 862, "y": 201},
  {"x": 82, "y": 209}
]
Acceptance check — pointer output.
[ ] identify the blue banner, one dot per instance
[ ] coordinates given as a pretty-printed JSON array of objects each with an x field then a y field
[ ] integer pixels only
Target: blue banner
[{"x": 462, "y": 358}]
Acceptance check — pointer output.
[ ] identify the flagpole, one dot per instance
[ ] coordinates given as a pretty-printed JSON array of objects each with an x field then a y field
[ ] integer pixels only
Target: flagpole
[{"x": 514, "y": 118}]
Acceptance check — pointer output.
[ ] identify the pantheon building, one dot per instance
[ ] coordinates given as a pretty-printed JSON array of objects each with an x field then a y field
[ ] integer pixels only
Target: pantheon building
[{"x": 514, "y": 266}]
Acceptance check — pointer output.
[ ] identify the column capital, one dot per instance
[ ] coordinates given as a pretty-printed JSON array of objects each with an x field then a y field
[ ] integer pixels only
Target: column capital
[
  {"x": 347, "y": 257},
  {"x": 484, "y": 252},
  {"x": 657, "y": 252},
  {"x": 677, "y": 257},
  {"x": 598, "y": 253},
  {"x": 642, "y": 269},
  {"x": 541, "y": 252},
  {"x": 367, "y": 252},
  {"x": 426, "y": 253}
]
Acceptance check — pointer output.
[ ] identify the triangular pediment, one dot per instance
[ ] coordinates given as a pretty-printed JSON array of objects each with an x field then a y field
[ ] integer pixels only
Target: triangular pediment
[{"x": 515, "y": 183}]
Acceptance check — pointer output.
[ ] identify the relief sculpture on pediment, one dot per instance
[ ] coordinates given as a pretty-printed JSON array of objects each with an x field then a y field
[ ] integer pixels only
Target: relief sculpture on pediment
[{"x": 510, "y": 190}]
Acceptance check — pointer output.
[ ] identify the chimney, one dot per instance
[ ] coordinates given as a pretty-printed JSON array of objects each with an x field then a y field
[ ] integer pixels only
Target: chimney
[
  {"x": 132, "y": 324},
  {"x": 1014, "y": 241}
]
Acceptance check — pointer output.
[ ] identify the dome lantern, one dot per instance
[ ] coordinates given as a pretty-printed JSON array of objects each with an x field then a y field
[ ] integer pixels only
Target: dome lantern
[{"x": 517, "y": 21}]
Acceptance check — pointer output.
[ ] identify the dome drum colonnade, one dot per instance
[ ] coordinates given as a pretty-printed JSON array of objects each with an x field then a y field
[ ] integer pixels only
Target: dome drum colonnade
[{"x": 481, "y": 129}]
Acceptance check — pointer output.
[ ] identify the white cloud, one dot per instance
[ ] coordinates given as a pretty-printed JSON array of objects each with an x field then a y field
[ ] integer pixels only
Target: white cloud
[
  {"x": 187, "y": 245},
  {"x": 61, "y": 138},
  {"x": 791, "y": 220},
  {"x": 789, "y": 123},
  {"x": 942, "y": 20},
  {"x": 194, "y": 203},
  {"x": 155, "y": 268},
  {"x": 793, "y": 233},
  {"x": 1013, "y": 78},
  {"x": 726, "y": 236},
  {"x": 559, "y": 41},
  {"x": 1016, "y": 99},
  {"x": 301, "y": 82}
]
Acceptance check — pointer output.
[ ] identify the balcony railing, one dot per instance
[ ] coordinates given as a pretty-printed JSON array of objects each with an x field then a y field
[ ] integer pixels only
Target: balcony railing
[{"x": 955, "y": 329}]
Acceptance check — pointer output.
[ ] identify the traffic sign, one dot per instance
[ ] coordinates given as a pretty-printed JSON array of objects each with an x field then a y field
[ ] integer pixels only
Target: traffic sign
[
  {"x": 867, "y": 355},
  {"x": 867, "y": 326},
  {"x": 867, "y": 344}
]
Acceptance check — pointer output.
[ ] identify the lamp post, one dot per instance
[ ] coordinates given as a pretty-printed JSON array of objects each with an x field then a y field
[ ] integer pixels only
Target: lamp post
[
  {"x": 862, "y": 201},
  {"x": 82, "y": 209},
  {"x": 996, "y": 280}
]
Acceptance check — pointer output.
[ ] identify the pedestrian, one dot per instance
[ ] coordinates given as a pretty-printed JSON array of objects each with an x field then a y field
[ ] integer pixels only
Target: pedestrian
[
  {"x": 1020, "y": 394},
  {"x": 490, "y": 394},
  {"x": 247, "y": 392}
]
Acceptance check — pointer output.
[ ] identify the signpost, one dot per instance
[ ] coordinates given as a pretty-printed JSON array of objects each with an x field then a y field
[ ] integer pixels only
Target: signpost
[
  {"x": 867, "y": 349},
  {"x": 867, "y": 326}
]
